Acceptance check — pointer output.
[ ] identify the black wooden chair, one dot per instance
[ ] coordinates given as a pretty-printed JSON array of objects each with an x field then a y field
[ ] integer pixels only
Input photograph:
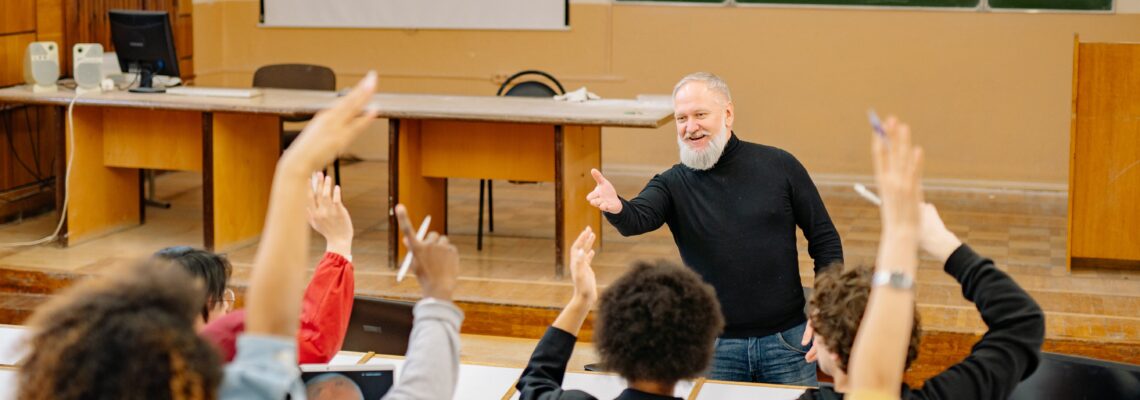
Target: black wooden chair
[{"x": 523, "y": 84}]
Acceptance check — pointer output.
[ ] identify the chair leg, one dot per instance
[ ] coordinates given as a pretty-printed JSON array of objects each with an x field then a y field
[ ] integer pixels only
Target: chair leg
[
  {"x": 490, "y": 207},
  {"x": 336, "y": 171},
  {"x": 479, "y": 234},
  {"x": 151, "y": 200}
]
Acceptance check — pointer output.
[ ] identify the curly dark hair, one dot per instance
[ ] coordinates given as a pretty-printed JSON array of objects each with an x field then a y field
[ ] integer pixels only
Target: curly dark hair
[
  {"x": 658, "y": 323},
  {"x": 128, "y": 334},
  {"x": 214, "y": 270},
  {"x": 836, "y": 308}
]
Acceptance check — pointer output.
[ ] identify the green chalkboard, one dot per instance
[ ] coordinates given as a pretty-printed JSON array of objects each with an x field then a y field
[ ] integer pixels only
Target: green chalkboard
[
  {"x": 1089, "y": 5},
  {"x": 876, "y": 3}
]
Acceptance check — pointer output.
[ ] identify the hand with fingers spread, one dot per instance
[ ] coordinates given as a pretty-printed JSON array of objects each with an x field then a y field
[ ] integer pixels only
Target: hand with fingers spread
[
  {"x": 328, "y": 216},
  {"x": 436, "y": 261},
  {"x": 604, "y": 197},
  {"x": 581, "y": 254}
]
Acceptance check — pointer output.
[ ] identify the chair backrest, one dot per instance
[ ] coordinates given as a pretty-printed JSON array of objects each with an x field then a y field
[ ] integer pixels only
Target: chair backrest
[
  {"x": 530, "y": 88},
  {"x": 295, "y": 76}
]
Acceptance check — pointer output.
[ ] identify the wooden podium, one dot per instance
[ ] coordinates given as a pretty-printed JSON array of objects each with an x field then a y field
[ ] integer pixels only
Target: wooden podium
[{"x": 1104, "y": 163}]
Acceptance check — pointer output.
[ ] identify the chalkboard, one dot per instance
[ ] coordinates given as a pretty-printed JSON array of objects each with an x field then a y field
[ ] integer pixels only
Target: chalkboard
[{"x": 1088, "y": 5}]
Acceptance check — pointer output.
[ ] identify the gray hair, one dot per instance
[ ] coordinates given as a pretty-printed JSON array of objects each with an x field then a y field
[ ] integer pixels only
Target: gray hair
[{"x": 712, "y": 81}]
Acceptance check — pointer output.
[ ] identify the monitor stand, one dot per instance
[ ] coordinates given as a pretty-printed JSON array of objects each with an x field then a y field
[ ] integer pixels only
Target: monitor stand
[{"x": 146, "y": 83}]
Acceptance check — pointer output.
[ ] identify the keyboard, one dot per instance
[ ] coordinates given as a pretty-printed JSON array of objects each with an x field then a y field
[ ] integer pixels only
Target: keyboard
[{"x": 199, "y": 91}]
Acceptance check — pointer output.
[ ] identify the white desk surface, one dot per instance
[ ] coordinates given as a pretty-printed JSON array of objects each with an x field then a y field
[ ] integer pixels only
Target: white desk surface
[
  {"x": 608, "y": 112},
  {"x": 715, "y": 390},
  {"x": 8, "y": 379},
  {"x": 476, "y": 382},
  {"x": 12, "y": 347}
]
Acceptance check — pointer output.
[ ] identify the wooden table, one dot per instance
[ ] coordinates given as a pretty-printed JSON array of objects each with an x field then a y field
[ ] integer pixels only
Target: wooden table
[
  {"x": 235, "y": 144},
  {"x": 432, "y": 138}
]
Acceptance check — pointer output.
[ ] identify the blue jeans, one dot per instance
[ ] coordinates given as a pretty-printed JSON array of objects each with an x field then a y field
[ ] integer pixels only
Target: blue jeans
[{"x": 776, "y": 358}]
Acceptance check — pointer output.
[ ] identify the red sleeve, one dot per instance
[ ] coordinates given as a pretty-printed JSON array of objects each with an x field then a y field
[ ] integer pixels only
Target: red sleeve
[
  {"x": 223, "y": 333},
  {"x": 325, "y": 310}
]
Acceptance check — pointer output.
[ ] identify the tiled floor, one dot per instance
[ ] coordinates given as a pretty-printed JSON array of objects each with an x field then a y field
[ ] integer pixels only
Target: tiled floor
[{"x": 1024, "y": 232}]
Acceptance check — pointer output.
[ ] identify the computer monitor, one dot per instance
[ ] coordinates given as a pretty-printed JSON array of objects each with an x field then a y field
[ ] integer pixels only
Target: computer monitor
[{"x": 143, "y": 40}]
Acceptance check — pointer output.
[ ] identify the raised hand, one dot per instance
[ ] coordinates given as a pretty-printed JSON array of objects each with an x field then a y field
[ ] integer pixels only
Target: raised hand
[
  {"x": 328, "y": 216},
  {"x": 581, "y": 254},
  {"x": 332, "y": 129},
  {"x": 436, "y": 261},
  {"x": 898, "y": 171},
  {"x": 604, "y": 197}
]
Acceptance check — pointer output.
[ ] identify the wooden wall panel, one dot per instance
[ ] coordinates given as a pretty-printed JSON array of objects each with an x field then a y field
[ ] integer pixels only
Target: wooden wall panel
[
  {"x": 17, "y": 16},
  {"x": 49, "y": 20},
  {"x": 1105, "y": 181},
  {"x": 27, "y": 147},
  {"x": 12, "y": 48}
]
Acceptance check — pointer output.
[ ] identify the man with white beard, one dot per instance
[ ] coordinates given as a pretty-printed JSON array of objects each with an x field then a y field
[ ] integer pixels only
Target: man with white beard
[{"x": 733, "y": 208}]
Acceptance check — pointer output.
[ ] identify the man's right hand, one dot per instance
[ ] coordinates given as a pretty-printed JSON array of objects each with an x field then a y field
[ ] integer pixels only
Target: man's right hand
[
  {"x": 604, "y": 197},
  {"x": 436, "y": 260}
]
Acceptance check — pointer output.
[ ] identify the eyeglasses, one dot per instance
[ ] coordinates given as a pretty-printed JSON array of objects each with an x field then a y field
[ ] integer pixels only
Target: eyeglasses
[{"x": 228, "y": 299}]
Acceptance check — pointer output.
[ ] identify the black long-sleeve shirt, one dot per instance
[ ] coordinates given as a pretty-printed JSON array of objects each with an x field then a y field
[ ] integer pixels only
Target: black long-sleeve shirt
[
  {"x": 735, "y": 225},
  {"x": 542, "y": 378},
  {"x": 1009, "y": 351}
]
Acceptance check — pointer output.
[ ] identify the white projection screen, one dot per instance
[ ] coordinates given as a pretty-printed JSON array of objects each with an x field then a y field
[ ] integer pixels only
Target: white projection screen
[{"x": 417, "y": 14}]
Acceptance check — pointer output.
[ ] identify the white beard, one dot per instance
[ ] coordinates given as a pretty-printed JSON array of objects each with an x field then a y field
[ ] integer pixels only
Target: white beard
[{"x": 701, "y": 160}]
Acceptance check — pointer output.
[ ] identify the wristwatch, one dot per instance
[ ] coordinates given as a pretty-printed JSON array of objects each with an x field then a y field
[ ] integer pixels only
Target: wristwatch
[{"x": 894, "y": 279}]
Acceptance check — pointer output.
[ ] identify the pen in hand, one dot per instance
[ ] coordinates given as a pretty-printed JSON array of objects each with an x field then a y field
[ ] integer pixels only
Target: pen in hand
[{"x": 408, "y": 258}]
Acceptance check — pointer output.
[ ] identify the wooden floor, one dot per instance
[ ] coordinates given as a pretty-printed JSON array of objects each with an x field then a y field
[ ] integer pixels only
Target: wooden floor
[{"x": 1023, "y": 231}]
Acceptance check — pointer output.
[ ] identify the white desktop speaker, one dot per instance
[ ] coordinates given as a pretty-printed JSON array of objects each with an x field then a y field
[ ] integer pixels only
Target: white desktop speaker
[
  {"x": 87, "y": 59},
  {"x": 41, "y": 66}
]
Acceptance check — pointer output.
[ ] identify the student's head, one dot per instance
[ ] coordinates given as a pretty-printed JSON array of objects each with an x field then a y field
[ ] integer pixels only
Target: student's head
[
  {"x": 836, "y": 309},
  {"x": 212, "y": 269},
  {"x": 332, "y": 386},
  {"x": 703, "y": 110},
  {"x": 128, "y": 334},
  {"x": 658, "y": 323}
]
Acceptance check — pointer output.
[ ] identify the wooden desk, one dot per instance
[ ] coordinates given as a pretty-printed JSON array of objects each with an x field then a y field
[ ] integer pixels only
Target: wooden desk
[
  {"x": 432, "y": 138},
  {"x": 233, "y": 142}
]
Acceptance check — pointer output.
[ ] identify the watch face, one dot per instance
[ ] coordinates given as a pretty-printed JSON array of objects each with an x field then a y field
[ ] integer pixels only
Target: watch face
[{"x": 893, "y": 279}]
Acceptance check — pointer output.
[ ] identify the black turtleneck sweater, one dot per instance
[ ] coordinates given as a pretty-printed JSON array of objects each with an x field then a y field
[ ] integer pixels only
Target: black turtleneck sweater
[{"x": 735, "y": 225}]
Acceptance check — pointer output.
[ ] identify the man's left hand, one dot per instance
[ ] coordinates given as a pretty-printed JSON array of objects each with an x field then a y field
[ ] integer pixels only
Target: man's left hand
[{"x": 808, "y": 333}]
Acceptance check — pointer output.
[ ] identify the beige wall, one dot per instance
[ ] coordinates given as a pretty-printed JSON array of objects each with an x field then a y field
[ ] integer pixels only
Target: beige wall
[{"x": 987, "y": 93}]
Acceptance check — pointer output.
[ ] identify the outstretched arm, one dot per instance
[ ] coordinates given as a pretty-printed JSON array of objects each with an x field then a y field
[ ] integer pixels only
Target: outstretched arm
[
  {"x": 542, "y": 378},
  {"x": 878, "y": 356},
  {"x": 327, "y": 304},
  {"x": 278, "y": 276},
  {"x": 431, "y": 369}
]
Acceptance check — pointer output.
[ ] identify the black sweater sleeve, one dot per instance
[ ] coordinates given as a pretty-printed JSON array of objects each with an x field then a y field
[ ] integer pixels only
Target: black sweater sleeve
[
  {"x": 646, "y": 212},
  {"x": 542, "y": 378},
  {"x": 1010, "y": 349},
  {"x": 824, "y": 244}
]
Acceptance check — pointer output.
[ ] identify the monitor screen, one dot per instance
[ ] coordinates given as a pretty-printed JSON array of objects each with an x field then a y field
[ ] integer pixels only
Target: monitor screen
[{"x": 143, "y": 40}]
